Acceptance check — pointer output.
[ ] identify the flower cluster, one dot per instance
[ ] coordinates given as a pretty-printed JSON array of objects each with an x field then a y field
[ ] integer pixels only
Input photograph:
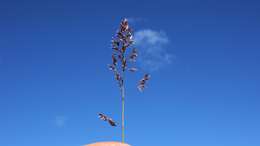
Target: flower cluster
[
  {"x": 122, "y": 59},
  {"x": 142, "y": 82},
  {"x": 106, "y": 118}
]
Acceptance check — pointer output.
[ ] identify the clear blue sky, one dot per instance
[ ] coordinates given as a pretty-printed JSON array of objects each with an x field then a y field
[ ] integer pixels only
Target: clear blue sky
[{"x": 54, "y": 78}]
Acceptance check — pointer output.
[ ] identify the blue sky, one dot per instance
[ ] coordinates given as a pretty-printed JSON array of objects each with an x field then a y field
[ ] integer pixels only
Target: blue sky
[{"x": 54, "y": 77}]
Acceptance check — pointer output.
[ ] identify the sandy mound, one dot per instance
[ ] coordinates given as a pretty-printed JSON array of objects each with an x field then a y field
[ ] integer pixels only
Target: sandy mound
[{"x": 108, "y": 144}]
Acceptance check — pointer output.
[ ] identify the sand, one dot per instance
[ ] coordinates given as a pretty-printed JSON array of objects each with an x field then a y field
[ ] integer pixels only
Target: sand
[{"x": 107, "y": 144}]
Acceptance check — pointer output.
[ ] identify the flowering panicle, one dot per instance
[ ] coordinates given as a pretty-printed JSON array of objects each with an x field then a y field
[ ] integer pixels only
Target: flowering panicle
[{"x": 121, "y": 59}]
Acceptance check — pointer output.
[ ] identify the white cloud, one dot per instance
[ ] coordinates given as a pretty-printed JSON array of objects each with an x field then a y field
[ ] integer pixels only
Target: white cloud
[
  {"x": 60, "y": 121},
  {"x": 152, "y": 46}
]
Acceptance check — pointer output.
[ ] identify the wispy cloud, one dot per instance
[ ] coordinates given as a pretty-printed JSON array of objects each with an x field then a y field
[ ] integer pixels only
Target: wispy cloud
[
  {"x": 60, "y": 121},
  {"x": 153, "y": 49}
]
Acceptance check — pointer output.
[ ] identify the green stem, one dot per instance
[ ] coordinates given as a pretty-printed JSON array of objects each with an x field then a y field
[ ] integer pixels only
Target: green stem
[
  {"x": 123, "y": 115},
  {"x": 123, "y": 108}
]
